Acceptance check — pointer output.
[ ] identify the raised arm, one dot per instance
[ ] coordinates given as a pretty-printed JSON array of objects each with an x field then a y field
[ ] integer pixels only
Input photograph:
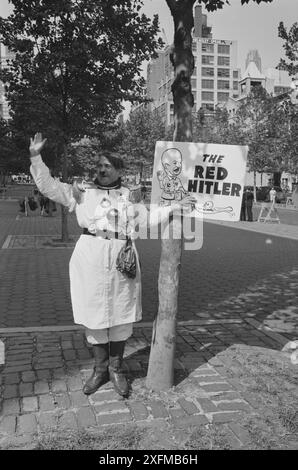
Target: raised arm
[{"x": 47, "y": 185}]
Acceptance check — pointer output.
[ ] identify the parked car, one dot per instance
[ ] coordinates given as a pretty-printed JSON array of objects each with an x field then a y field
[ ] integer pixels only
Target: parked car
[{"x": 264, "y": 196}]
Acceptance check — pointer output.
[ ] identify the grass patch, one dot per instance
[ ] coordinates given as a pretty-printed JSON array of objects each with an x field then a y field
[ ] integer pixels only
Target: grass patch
[{"x": 127, "y": 438}]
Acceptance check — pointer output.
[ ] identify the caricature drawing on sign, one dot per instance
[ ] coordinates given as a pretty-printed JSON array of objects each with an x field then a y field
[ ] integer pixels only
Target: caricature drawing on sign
[
  {"x": 169, "y": 181},
  {"x": 208, "y": 208}
]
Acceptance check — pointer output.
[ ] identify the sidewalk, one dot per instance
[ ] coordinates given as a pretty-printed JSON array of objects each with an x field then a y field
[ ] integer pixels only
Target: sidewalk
[
  {"x": 44, "y": 372},
  {"x": 272, "y": 229}
]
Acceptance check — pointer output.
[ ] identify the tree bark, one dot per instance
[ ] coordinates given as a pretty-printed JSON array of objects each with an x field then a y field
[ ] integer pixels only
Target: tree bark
[
  {"x": 64, "y": 210},
  {"x": 161, "y": 362}
]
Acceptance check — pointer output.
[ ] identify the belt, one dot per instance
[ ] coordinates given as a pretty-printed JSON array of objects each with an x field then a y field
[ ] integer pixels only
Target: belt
[{"x": 106, "y": 234}]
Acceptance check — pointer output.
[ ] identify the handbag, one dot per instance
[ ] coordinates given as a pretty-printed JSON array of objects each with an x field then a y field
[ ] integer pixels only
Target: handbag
[{"x": 126, "y": 261}]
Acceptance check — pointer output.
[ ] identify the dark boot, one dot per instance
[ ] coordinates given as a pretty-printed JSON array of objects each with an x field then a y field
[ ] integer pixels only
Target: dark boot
[
  {"x": 116, "y": 371},
  {"x": 100, "y": 374}
]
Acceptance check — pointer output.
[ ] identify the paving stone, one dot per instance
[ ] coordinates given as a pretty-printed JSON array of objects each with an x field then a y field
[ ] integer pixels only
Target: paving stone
[
  {"x": 47, "y": 365},
  {"x": 251, "y": 399},
  {"x": 226, "y": 396},
  {"x": 114, "y": 418},
  {"x": 47, "y": 421},
  {"x": 43, "y": 374},
  {"x": 46, "y": 403},
  {"x": 67, "y": 421},
  {"x": 188, "y": 406},
  {"x": 8, "y": 425},
  {"x": 240, "y": 432},
  {"x": 67, "y": 344},
  {"x": 59, "y": 373},
  {"x": 225, "y": 417},
  {"x": 139, "y": 410},
  {"x": 75, "y": 383},
  {"x": 111, "y": 407},
  {"x": 78, "y": 398},
  {"x": 204, "y": 373},
  {"x": 27, "y": 424},
  {"x": 11, "y": 406},
  {"x": 104, "y": 395},
  {"x": 233, "y": 406},
  {"x": 83, "y": 354},
  {"x": 62, "y": 401},
  {"x": 185, "y": 422},
  {"x": 176, "y": 413},
  {"x": 29, "y": 404},
  {"x": 41, "y": 387},
  {"x": 86, "y": 417},
  {"x": 10, "y": 391},
  {"x": 216, "y": 387},
  {"x": 12, "y": 379},
  {"x": 17, "y": 368},
  {"x": 206, "y": 405},
  {"x": 58, "y": 386},
  {"x": 69, "y": 354},
  {"x": 26, "y": 389},
  {"x": 28, "y": 376},
  {"x": 157, "y": 409}
]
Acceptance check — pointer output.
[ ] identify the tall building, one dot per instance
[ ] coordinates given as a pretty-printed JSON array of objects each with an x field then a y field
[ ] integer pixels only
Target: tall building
[
  {"x": 5, "y": 55},
  {"x": 215, "y": 77},
  {"x": 254, "y": 56}
]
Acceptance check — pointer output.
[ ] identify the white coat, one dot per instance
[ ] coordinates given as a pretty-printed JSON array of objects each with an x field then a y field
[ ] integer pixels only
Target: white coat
[{"x": 101, "y": 296}]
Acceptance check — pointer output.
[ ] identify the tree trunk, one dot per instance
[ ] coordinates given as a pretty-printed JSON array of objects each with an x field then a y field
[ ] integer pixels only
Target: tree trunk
[
  {"x": 64, "y": 210},
  {"x": 161, "y": 362}
]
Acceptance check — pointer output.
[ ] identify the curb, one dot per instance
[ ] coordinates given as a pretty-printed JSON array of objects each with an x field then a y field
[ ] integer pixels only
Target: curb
[
  {"x": 282, "y": 340},
  {"x": 33, "y": 329}
]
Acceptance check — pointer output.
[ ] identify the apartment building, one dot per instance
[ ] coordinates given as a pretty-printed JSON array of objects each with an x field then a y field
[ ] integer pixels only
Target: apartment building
[
  {"x": 215, "y": 77},
  {"x": 5, "y": 55}
]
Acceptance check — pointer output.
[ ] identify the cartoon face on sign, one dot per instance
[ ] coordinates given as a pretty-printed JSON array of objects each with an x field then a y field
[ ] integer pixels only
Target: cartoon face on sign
[
  {"x": 171, "y": 161},
  {"x": 169, "y": 181}
]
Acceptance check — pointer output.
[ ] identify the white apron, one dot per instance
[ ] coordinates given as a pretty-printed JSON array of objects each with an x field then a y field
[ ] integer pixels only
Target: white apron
[{"x": 101, "y": 295}]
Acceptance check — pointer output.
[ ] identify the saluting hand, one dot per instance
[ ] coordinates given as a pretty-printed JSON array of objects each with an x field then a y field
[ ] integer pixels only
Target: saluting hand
[{"x": 36, "y": 144}]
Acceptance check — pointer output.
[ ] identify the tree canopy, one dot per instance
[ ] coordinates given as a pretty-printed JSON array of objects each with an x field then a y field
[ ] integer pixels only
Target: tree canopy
[
  {"x": 213, "y": 5},
  {"x": 74, "y": 62}
]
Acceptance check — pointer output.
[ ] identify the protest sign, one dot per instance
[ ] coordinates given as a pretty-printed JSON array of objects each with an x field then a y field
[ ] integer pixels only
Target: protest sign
[{"x": 214, "y": 174}]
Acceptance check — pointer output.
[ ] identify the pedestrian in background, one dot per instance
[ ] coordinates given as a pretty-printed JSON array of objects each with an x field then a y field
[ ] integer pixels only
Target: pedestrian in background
[
  {"x": 249, "y": 198},
  {"x": 272, "y": 194},
  {"x": 243, "y": 207}
]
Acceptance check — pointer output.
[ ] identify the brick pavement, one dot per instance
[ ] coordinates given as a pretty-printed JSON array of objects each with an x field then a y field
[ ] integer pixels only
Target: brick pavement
[{"x": 41, "y": 382}]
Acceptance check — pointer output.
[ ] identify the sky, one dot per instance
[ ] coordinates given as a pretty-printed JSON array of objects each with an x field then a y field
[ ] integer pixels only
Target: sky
[{"x": 253, "y": 26}]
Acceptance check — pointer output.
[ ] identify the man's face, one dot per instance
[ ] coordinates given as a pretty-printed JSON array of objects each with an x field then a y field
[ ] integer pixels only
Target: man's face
[
  {"x": 173, "y": 163},
  {"x": 106, "y": 172}
]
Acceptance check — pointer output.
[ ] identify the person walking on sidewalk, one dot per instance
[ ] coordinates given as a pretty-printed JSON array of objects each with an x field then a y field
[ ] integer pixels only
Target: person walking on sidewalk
[{"x": 104, "y": 300}]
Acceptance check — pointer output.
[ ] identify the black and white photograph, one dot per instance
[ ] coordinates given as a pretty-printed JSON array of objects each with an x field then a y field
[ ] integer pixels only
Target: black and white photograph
[{"x": 148, "y": 229}]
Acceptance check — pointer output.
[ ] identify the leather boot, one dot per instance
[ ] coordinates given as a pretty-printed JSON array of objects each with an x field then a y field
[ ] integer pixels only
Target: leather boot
[
  {"x": 100, "y": 374},
  {"x": 116, "y": 371}
]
